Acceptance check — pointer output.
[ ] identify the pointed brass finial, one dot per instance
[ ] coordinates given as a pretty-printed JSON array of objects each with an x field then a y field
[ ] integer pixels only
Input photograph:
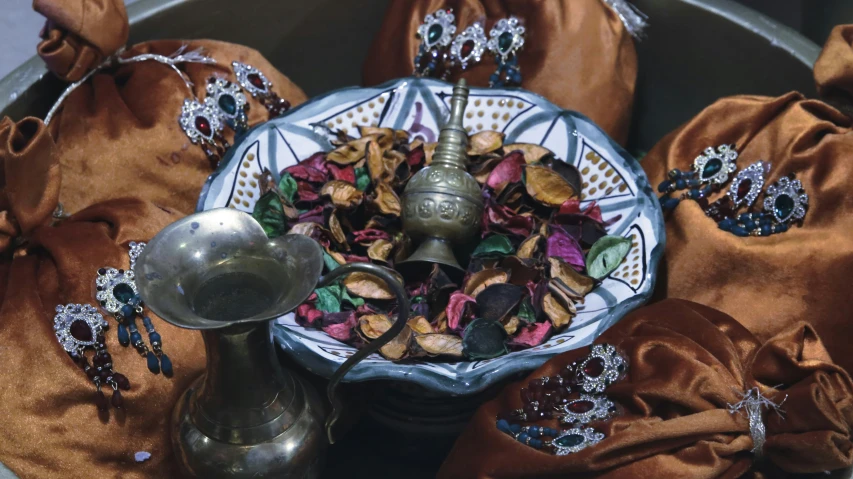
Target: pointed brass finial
[
  {"x": 442, "y": 204},
  {"x": 452, "y": 148}
]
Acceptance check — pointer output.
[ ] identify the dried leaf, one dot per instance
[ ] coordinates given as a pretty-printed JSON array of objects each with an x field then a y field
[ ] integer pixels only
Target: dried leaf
[
  {"x": 484, "y": 339},
  {"x": 498, "y": 300},
  {"x": 532, "y": 153},
  {"x": 337, "y": 232},
  {"x": 420, "y": 325},
  {"x": 441, "y": 322},
  {"x": 429, "y": 150},
  {"x": 547, "y": 186},
  {"x": 352, "y": 151},
  {"x": 367, "y": 286},
  {"x": 372, "y": 326},
  {"x": 567, "y": 170},
  {"x": 494, "y": 245},
  {"x": 343, "y": 194},
  {"x": 338, "y": 257},
  {"x": 379, "y": 250},
  {"x": 362, "y": 179},
  {"x": 483, "y": 169},
  {"x": 526, "y": 312},
  {"x": 478, "y": 281},
  {"x": 440, "y": 344},
  {"x": 287, "y": 187},
  {"x": 375, "y": 131},
  {"x": 386, "y": 200},
  {"x": 606, "y": 255},
  {"x": 485, "y": 142},
  {"x": 511, "y": 324},
  {"x": 268, "y": 212},
  {"x": 577, "y": 282},
  {"x": 342, "y": 330},
  {"x": 555, "y": 311},
  {"x": 397, "y": 348},
  {"x": 528, "y": 247}
]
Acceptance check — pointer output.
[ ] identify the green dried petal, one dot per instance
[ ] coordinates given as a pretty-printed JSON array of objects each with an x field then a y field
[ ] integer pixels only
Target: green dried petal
[
  {"x": 494, "y": 245},
  {"x": 606, "y": 255}
]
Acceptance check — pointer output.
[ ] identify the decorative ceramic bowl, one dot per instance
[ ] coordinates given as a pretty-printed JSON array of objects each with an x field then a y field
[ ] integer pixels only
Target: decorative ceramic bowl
[{"x": 612, "y": 178}]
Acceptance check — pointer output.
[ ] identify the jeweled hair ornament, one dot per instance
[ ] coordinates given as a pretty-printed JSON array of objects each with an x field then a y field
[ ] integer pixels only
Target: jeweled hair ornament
[
  {"x": 506, "y": 39},
  {"x": 436, "y": 34},
  {"x": 256, "y": 83}
]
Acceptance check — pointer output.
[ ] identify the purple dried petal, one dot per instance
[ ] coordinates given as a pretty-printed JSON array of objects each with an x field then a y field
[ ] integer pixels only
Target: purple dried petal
[{"x": 561, "y": 245}]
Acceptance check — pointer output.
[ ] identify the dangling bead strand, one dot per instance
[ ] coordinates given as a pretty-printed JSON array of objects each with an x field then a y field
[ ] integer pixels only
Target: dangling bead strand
[{"x": 157, "y": 345}]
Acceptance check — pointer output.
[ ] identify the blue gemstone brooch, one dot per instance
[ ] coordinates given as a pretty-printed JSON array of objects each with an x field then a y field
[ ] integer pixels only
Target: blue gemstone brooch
[
  {"x": 506, "y": 39},
  {"x": 436, "y": 34},
  {"x": 118, "y": 296}
]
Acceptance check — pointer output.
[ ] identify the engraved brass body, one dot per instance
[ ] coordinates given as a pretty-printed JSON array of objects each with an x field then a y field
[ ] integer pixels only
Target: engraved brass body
[{"x": 442, "y": 204}]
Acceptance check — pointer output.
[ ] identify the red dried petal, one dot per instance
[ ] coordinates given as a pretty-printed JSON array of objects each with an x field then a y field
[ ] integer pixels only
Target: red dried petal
[
  {"x": 370, "y": 235},
  {"x": 353, "y": 258},
  {"x": 533, "y": 335},
  {"x": 456, "y": 309},
  {"x": 304, "y": 172},
  {"x": 346, "y": 173},
  {"x": 314, "y": 215},
  {"x": 416, "y": 157},
  {"x": 508, "y": 171},
  {"x": 343, "y": 331},
  {"x": 305, "y": 191},
  {"x": 316, "y": 161},
  {"x": 307, "y": 315},
  {"x": 501, "y": 219}
]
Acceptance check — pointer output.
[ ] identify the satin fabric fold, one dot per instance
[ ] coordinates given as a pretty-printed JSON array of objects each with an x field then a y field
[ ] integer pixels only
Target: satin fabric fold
[
  {"x": 80, "y": 34},
  {"x": 577, "y": 53},
  {"x": 770, "y": 283},
  {"x": 117, "y": 160},
  {"x": 688, "y": 363}
]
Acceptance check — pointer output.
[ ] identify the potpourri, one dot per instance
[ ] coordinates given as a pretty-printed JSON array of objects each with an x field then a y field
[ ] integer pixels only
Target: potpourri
[{"x": 538, "y": 255}]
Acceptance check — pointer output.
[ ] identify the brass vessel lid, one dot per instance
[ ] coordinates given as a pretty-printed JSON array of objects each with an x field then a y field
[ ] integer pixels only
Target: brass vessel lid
[{"x": 452, "y": 149}]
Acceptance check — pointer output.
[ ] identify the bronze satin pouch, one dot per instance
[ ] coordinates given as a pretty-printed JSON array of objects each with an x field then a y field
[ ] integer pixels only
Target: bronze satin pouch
[
  {"x": 770, "y": 283},
  {"x": 577, "y": 53},
  {"x": 117, "y": 160},
  {"x": 687, "y": 364}
]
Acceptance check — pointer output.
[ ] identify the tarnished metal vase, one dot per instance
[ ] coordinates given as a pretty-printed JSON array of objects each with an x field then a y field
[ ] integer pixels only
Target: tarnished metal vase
[{"x": 217, "y": 272}]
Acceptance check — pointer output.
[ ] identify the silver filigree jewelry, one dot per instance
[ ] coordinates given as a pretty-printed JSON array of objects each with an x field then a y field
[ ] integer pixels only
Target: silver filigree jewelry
[
  {"x": 135, "y": 251},
  {"x": 117, "y": 294},
  {"x": 753, "y": 403},
  {"x": 604, "y": 366},
  {"x": 80, "y": 327},
  {"x": 116, "y": 288},
  {"x": 574, "y": 440},
  {"x": 747, "y": 184},
  {"x": 506, "y": 38},
  {"x": 228, "y": 99},
  {"x": 468, "y": 47},
  {"x": 587, "y": 409},
  {"x": 256, "y": 83},
  {"x": 786, "y": 200},
  {"x": 436, "y": 33},
  {"x": 715, "y": 166},
  {"x": 200, "y": 121}
]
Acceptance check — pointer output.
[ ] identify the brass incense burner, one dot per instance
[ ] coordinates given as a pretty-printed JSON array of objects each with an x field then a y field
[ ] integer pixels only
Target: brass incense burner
[
  {"x": 217, "y": 272},
  {"x": 442, "y": 204}
]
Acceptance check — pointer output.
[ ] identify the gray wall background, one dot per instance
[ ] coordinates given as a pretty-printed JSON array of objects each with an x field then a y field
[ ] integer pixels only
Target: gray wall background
[{"x": 20, "y": 26}]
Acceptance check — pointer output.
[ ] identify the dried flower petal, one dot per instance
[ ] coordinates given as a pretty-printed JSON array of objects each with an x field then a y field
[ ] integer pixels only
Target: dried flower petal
[
  {"x": 478, "y": 281},
  {"x": 352, "y": 151},
  {"x": 456, "y": 309},
  {"x": 547, "y": 186},
  {"x": 532, "y": 335},
  {"x": 367, "y": 286},
  {"x": 567, "y": 170},
  {"x": 509, "y": 170},
  {"x": 342, "y": 331},
  {"x": 607, "y": 254},
  {"x": 343, "y": 194},
  {"x": 301, "y": 171},
  {"x": 565, "y": 247},
  {"x": 484, "y": 339},
  {"x": 532, "y": 153},
  {"x": 387, "y": 201},
  {"x": 372, "y": 326},
  {"x": 579, "y": 283},
  {"x": 528, "y": 247},
  {"x": 420, "y": 325},
  {"x": 511, "y": 324},
  {"x": 307, "y": 315},
  {"x": 556, "y": 312},
  {"x": 498, "y": 218},
  {"x": 379, "y": 250},
  {"x": 268, "y": 212},
  {"x": 397, "y": 348},
  {"x": 485, "y": 142},
  {"x": 440, "y": 344},
  {"x": 336, "y": 230},
  {"x": 498, "y": 300},
  {"x": 494, "y": 245}
]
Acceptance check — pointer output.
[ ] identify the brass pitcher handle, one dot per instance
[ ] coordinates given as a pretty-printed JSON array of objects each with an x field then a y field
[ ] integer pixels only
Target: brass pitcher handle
[{"x": 402, "y": 318}]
